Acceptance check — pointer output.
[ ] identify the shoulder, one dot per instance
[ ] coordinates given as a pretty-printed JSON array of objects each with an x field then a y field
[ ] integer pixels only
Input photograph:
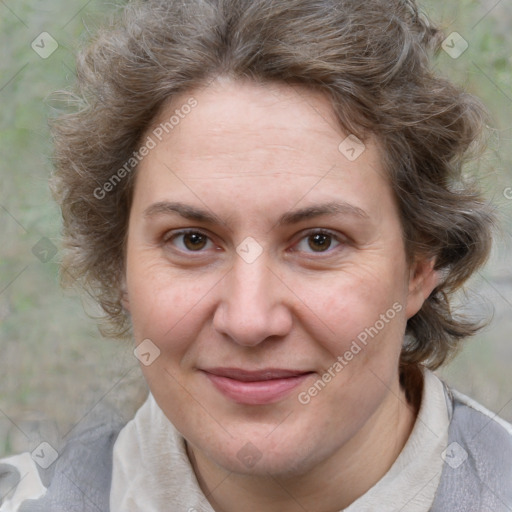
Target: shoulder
[
  {"x": 485, "y": 436},
  {"x": 19, "y": 480},
  {"x": 75, "y": 479},
  {"x": 477, "y": 470}
]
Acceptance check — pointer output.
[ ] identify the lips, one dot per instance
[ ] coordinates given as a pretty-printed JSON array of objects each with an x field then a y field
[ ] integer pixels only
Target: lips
[
  {"x": 257, "y": 375},
  {"x": 255, "y": 387}
]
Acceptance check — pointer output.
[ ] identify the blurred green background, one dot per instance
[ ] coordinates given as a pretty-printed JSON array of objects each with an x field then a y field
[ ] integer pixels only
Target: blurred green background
[{"x": 55, "y": 369}]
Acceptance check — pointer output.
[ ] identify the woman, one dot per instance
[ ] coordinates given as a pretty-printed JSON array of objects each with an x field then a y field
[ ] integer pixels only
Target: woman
[{"x": 267, "y": 197}]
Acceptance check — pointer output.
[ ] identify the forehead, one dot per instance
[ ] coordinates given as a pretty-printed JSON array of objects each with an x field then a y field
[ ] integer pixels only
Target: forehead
[{"x": 266, "y": 143}]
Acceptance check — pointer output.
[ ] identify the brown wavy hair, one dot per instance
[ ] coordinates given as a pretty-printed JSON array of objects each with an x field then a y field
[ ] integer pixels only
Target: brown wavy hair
[{"x": 373, "y": 60}]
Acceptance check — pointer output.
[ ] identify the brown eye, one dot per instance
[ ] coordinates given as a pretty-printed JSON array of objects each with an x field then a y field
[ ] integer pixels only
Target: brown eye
[
  {"x": 194, "y": 241},
  {"x": 188, "y": 241},
  {"x": 319, "y": 242}
]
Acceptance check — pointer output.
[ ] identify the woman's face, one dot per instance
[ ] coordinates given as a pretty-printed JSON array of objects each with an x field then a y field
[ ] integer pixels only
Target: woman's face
[{"x": 266, "y": 277}]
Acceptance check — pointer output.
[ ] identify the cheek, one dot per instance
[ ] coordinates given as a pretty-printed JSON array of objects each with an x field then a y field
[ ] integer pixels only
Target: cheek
[
  {"x": 360, "y": 325},
  {"x": 347, "y": 307},
  {"x": 161, "y": 303}
]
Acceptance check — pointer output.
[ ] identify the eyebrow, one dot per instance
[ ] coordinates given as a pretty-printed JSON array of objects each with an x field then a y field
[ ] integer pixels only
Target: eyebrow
[{"x": 292, "y": 217}]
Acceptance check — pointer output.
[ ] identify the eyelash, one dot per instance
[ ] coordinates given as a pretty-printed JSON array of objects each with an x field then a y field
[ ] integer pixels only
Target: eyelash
[{"x": 169, "y": 237}]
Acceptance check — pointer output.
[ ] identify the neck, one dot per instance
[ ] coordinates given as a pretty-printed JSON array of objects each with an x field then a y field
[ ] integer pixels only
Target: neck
[{"x": 330, "y": 486}]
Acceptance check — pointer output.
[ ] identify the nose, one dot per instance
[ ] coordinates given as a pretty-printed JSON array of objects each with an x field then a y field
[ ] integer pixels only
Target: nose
[{"x": 254, "y": 304}]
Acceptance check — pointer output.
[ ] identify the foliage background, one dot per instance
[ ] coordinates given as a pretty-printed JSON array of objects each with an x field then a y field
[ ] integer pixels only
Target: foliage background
[{"x": 55, "y": 369}]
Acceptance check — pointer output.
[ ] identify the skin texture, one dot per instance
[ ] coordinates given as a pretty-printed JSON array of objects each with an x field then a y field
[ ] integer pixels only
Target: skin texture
[{"x": 249, "y": 153}]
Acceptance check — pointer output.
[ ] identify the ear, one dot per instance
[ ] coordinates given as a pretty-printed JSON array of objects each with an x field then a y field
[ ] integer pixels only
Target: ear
[{"x": 422, "y": 281}]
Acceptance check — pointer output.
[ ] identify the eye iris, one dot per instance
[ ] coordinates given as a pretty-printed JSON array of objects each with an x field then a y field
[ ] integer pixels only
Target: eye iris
[
  {"x": 322, "y": 240},
  {"x": 194, "y": 241}
]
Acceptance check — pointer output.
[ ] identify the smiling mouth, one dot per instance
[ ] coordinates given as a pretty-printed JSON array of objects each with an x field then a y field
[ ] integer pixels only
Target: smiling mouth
[{"x": 255, "y": 387}]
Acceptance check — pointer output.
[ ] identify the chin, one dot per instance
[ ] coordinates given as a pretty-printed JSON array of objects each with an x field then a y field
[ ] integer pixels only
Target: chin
[
  {"x": 281, "y": 457},
  {"x": 278, "y": 465}
]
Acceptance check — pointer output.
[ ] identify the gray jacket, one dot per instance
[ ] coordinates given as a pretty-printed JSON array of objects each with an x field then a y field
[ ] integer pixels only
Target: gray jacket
[{"x": 476, "y": 476}]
